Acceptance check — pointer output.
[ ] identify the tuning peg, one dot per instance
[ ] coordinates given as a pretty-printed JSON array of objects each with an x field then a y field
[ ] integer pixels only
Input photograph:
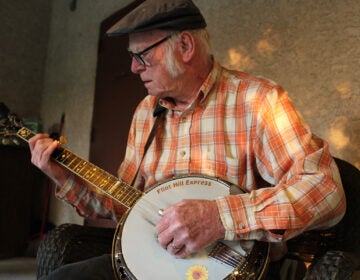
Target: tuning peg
[
  {"x": 5, "y": 141},
  {"x": 62, "y": 140}
]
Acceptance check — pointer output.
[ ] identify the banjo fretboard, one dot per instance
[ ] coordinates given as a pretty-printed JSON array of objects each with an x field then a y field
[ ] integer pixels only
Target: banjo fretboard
[{"x": 97, "y": 177}]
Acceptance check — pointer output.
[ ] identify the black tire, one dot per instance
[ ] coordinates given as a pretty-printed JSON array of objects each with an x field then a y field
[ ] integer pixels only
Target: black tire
[{"x": 70, "y": 243}]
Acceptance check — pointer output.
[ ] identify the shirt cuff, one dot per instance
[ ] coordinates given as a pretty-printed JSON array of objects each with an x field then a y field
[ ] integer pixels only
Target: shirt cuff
[
  {"x": 226, "y": 218},
  {"x": 62, "y": 191},
  {"x": 235, "y": 216}
]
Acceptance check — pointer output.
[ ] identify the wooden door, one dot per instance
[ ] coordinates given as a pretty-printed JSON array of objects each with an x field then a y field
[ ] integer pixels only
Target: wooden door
[{"x": 117, "y": 92}]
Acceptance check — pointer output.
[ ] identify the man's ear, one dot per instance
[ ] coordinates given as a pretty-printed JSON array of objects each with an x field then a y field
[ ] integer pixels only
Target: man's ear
[{"x": 187, "y": 46}]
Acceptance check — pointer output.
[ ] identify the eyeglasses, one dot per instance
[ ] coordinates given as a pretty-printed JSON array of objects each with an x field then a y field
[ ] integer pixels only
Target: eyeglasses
[{"x": 138, "y": 55}]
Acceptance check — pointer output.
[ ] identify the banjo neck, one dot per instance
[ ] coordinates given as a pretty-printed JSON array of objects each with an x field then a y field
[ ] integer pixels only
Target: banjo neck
[{"x": 112, "y": 186}]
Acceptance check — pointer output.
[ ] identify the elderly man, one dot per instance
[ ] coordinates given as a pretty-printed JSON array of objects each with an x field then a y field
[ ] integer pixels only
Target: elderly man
[{"x": 218, "y": 122}]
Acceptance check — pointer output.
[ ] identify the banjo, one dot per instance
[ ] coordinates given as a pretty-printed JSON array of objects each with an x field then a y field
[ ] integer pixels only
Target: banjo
[{"x": 136, "y": 254}]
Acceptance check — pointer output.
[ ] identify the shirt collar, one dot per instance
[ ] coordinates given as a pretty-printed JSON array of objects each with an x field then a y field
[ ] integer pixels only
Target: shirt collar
[
  {"x": 209, "y": 82},
  {"x": 204, "y": 90}
]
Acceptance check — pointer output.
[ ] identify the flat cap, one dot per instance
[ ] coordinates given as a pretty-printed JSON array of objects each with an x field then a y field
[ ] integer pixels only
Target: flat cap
[{"x": 160, "y": 14}]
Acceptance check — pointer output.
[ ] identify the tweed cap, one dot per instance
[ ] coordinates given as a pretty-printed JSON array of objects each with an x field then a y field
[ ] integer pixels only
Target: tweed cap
[{"x": 174, "y": 15}]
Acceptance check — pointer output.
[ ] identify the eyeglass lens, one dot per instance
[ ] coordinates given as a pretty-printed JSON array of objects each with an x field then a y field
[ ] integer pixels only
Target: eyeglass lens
[{"x": 138, "y": 55}]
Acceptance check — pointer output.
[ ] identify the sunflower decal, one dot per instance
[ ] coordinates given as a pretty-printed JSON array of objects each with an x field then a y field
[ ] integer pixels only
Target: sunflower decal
[{"x": 197, "y": 272}]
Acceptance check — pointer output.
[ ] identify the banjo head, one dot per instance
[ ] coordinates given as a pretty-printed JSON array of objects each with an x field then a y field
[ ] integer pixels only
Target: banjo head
[{"x": 138, "y": 255}]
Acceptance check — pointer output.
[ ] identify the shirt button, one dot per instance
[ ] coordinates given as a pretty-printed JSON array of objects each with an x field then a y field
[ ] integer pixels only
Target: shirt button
[
  {"x": 242, "y": 226},
  {"x": 183, "y": 153}
]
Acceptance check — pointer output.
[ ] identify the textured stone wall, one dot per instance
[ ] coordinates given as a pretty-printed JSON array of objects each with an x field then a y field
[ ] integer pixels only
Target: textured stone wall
[
  {"x": 309, "y": 47},
  {"x": 24, "y": 29}
]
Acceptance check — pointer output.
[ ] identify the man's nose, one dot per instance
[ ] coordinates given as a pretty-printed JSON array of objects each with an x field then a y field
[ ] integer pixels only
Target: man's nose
[{"x": 136, "y": 67}]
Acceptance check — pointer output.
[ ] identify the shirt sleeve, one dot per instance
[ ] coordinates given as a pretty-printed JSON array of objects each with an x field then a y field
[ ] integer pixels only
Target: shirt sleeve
[
  {"x": 304, "y": 187},
  {"x": 88, "y": 202}
]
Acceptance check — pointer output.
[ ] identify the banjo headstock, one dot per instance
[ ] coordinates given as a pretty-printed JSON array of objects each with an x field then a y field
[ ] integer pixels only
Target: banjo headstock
[{"x": 10, "y": 124}]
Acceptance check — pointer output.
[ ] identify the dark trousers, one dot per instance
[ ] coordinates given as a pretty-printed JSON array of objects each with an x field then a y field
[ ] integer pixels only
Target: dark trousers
[{"x": 98, "y": 268}]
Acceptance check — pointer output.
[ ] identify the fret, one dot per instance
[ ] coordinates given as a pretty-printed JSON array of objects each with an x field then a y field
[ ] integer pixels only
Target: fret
[
  {"x": 108, "y": 183},
  {"x": 72, "y": 161},
  {"x": 97, "y": 177},
  {"x": 114, "y": 187},
  {"x": 82, "y": 168},
  {"x": 126, "y": 196},
  {"x": 75, "y": 163},
  {"x": 107, "y": 187},
  {"x": 136, "y": 197},
  {"x": 79, "y": 167},
  {"x": 104, "y": 183},
  {"x": 64, "y": 156},
  {"x": 132, "y": 196},
  {"x": 84, "y": 172},
  {"x": 120, "y": 194},
  {"x": 90, "y": 173},
  {"x": 100, "y": 179},
  {"x": 113, "y": 180}
]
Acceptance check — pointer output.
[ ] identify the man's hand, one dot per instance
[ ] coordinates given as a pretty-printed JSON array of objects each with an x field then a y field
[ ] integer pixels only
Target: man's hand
[
  {"x": 189, "y": 226},
  {"x": 41, "y": 147}
]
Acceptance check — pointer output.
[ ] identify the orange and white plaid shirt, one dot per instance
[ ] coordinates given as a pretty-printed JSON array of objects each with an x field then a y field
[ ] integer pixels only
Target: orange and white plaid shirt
[{"x": 244, "y": 130}]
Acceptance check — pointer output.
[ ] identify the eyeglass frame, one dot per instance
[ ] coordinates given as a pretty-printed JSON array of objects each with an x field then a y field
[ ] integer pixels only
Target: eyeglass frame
[{"x": 138, "y": 55}]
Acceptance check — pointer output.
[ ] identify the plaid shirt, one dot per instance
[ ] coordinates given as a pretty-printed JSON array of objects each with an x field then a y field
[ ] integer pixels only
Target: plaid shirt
[{"x": 244, "y": 130}]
